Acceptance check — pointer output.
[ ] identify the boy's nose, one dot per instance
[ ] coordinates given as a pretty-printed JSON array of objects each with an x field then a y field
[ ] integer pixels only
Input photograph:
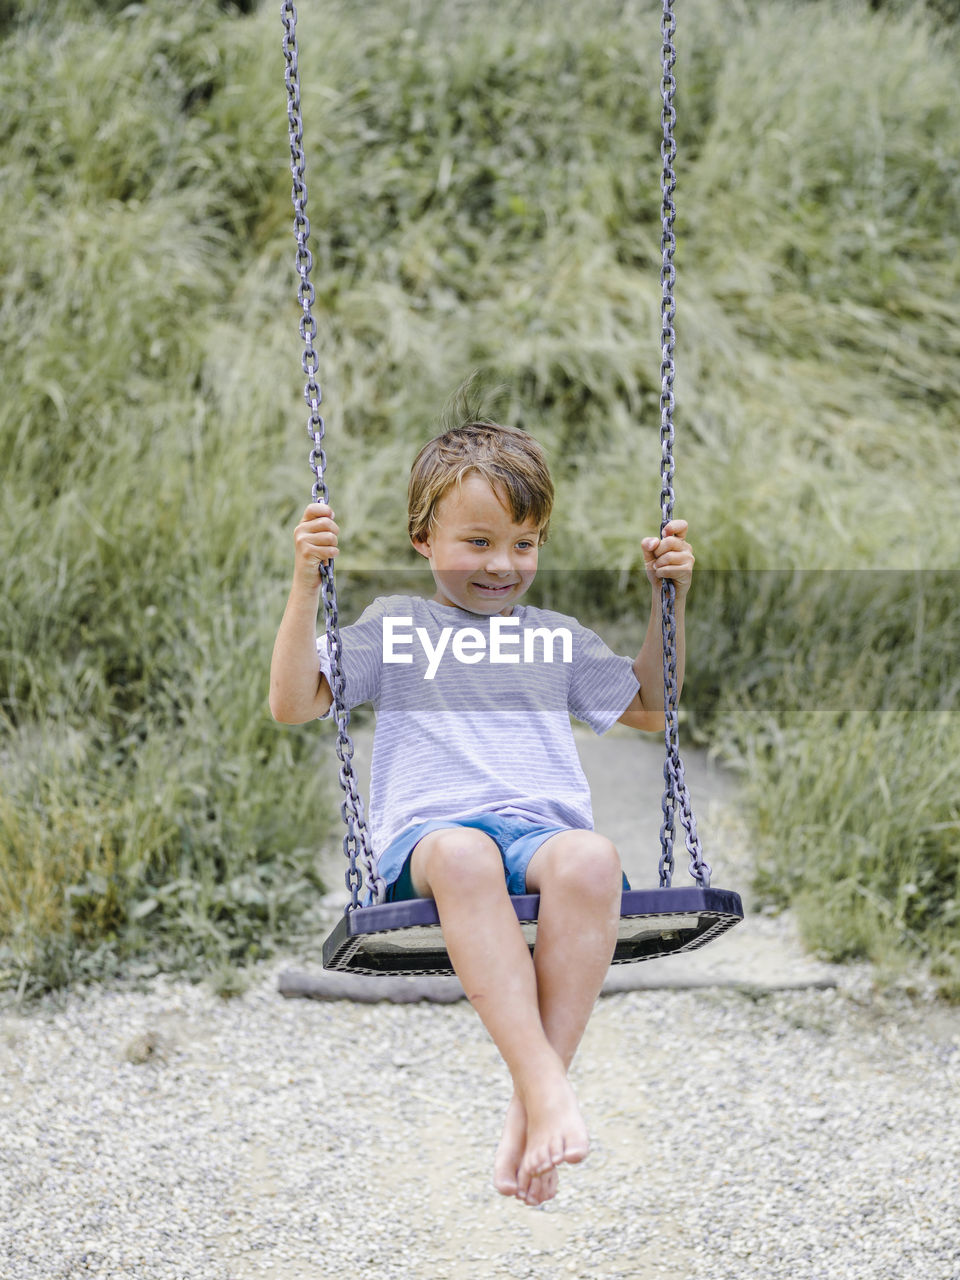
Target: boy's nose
[{"x": 498, "y": 562}]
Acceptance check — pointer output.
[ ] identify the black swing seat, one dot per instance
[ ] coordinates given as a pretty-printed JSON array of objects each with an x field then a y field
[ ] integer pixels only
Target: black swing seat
[{"x": 405, "y": 937}]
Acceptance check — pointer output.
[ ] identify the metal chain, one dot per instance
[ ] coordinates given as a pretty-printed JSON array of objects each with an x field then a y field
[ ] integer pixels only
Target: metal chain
[
  {"x": 675, "y": 788},
  {"x": 356, "y": 841}
]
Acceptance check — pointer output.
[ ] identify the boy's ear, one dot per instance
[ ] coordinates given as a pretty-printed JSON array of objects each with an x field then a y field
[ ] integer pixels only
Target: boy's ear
[{"x": 422, "y": 546}]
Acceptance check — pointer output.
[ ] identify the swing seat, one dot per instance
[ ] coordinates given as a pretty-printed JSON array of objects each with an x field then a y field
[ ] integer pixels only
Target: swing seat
[{"x": 405, "y": 937}]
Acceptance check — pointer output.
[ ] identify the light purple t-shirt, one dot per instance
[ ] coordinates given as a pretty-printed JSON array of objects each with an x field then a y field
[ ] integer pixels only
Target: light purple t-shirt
[{"x": 478, "y": 721}]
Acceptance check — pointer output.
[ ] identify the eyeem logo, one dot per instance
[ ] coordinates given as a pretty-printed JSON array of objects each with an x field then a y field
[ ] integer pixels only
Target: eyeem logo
[{"x": 470, "y": 644}]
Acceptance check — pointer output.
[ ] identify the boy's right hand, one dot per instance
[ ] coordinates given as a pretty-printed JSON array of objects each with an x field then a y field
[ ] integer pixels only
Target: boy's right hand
[{"x": 315, "y": 539}]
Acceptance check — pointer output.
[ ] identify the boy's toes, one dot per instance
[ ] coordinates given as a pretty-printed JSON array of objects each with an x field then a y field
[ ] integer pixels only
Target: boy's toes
[
  {"x": 557, "y": 1153},
  {"x": 543, "y": 1187},
  {"x": 551, "y": 1184},
  {"x": 574, "y": 1152},
  {"x": 534, "y": 1165}
]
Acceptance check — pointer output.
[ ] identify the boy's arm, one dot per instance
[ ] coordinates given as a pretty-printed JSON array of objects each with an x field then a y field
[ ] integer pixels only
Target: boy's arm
[
  {"x": 298, "y": 689},
  {"x": 668, "y": 557}
]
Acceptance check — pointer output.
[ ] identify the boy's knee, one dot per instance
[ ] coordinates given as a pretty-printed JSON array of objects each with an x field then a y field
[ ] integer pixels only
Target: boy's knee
[
  {"x": 588, "y": 865},
  {"x": 462, "y": 854}
]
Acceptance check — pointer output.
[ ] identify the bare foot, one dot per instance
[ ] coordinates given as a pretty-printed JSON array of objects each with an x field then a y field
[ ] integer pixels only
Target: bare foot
[
  {"x": 556, "y": 1134},
  {"x": 513, "y": 1140},
  {"x": 506, "y": 1165}
]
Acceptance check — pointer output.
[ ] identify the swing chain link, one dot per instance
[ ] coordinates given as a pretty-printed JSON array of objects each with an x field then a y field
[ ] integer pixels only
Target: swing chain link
[
  {"x": 356, "y": 841},
  {"x": 675, "y": 788}
]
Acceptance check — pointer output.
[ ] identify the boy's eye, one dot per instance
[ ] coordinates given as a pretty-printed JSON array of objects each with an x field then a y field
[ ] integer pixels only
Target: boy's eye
[{"x": 525, "y": 544}]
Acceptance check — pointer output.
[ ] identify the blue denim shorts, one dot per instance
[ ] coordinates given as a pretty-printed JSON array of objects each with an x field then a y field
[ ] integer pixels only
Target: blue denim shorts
[{"x": 518, "y": 839}]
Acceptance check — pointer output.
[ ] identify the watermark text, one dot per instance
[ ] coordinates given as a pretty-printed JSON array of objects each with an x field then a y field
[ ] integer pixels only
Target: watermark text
[{"x": 505, "y": 643}]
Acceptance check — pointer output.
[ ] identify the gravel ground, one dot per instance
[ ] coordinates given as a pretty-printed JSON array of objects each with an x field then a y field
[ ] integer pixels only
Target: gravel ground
[{"x": 168, "y": 1133}]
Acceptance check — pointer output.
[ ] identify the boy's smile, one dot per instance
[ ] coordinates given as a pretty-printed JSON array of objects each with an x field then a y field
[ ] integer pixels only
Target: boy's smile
[{"x": 482, "y": 561}]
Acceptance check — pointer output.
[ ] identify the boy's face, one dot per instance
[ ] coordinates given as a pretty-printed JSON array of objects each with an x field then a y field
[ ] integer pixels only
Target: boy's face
[{"x": 481, "y": 560}]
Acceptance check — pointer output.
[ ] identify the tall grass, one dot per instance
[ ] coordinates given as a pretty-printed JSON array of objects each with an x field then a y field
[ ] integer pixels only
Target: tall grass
[{"x": 483, "y": 195}]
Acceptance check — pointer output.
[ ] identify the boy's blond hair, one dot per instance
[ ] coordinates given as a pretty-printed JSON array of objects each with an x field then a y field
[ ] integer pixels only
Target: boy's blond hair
[{"x": 509, "y": 459}]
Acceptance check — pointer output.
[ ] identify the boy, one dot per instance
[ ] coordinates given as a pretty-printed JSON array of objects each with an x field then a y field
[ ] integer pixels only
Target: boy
[{"x": 476, "y": 788}]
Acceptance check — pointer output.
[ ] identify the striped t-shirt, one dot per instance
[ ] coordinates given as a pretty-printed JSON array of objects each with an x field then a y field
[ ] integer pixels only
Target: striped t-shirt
[{"x": 473, "y": 712}]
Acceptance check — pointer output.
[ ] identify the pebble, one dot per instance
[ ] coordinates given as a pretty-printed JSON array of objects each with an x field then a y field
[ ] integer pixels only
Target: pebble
[{"x": 166, "y": 1133}]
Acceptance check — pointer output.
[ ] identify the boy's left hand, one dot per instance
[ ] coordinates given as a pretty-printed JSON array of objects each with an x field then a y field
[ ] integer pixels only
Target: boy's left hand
[{"x": 670, "y": 557}]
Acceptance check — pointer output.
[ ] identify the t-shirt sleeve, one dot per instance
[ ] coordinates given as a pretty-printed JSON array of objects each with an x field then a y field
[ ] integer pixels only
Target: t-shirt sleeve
[
  {"x": 602, "y": 684},
  {"x": 362, "y": 657}
]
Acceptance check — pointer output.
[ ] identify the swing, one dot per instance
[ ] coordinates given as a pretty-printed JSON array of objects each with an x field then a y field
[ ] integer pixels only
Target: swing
[{"x": 405, "y": 937}]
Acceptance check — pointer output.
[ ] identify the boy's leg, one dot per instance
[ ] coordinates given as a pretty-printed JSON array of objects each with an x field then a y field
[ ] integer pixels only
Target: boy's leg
[
  {"x": 462, "y": 870},
  {"x": 579, "y": 879}
]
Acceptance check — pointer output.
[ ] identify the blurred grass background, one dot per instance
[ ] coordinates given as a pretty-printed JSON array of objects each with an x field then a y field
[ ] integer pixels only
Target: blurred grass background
[{"x": 484, "y": 195}]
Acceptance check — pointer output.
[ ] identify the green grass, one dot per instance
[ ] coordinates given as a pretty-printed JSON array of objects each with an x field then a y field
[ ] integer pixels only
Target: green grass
[
  {"x": 483, "y": 196},
  {"x": 858, "y": 824}
]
